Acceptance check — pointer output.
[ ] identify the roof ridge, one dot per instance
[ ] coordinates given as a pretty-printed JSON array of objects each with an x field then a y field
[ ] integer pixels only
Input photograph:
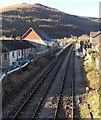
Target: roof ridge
[
  {"x": 10, "y": 45},
  {"x": 39, "y": 32}
]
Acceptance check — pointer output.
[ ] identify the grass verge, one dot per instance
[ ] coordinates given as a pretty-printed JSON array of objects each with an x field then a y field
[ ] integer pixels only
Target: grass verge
[
  {"x": 15, "y": 82},
  {"x": 92, "y": 98}
]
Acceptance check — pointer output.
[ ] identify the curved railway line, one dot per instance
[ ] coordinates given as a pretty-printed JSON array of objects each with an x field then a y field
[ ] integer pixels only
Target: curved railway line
[{"x": 34, "y": 103}]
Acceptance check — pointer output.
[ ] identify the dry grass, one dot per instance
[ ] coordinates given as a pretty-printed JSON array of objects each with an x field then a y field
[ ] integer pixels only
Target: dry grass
[
  {"x": 15, "y": 7},
  {"x": 93, "y": 100},
  {"x": 92, "y": 97},
  {"x": 15, "y": 82},
  {"x": 92, "y": 74},
  {"x": 93, "y": 77}
]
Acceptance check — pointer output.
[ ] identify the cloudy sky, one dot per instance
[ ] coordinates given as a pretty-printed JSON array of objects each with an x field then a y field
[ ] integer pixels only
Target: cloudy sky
[{"x": 75, "y": 7}]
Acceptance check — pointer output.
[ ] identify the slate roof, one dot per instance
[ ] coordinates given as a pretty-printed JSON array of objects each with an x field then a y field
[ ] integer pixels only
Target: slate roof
[
  {"x": 43, "y": 35},
  {"x": 10, "y": 45}
]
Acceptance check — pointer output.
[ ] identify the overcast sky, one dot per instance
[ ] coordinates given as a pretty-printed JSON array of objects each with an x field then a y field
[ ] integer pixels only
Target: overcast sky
[{"x": 75, "y": 7}]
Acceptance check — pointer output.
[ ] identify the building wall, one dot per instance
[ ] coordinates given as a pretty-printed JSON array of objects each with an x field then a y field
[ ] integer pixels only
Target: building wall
[
  {"x": 39, "y": 46},
  {"x": 35, "y": 40},
  {"x": 5, "y": 62},
  {"x": 31, "y": 35},
  {"x": 90, "y": 39},
  {"x": 95, "y": 40},
  {"x": 27, "y": 52},
  {"x": 95, "y": 43},
  {"x": 17, "y": 55},
  {"x": 14, "y": 55}
]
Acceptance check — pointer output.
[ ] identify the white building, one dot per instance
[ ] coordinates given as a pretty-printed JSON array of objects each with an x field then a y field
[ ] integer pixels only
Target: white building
[{"x": 15, "y": 51}]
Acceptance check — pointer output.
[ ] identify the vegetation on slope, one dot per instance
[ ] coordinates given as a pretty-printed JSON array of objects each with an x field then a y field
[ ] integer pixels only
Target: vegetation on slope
[
  {"x": 17, "y": 81},
  {"x": 93, "y": 97},
  {"x": 18, "y": 18}
]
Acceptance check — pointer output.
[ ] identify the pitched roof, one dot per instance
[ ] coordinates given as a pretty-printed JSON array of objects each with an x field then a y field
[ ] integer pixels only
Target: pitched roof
[
  {"x": 40, "y": 33},
  {"x": 95, "y": 34},
  {"x": 98, "y": 34},
  {"x": 10, "y": 45},
  {"x": 3, "y": 49}
]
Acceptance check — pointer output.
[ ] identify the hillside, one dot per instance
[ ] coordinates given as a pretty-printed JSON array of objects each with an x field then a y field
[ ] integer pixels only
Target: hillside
[
  {"x": 16, "y": 19},
  {"x": 92, "y": 18}
]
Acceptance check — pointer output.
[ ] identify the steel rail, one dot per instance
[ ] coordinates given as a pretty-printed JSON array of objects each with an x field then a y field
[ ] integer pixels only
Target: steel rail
[
  {"x": 73, "y": 90},
  {"x": 52, "y": 79},
  {"x": 64, "y": 77},
  {"x": 35, "y": 113}
]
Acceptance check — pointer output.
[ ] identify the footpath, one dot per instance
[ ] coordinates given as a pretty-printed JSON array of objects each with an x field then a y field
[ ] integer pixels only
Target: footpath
[{"x": 80, "y": 82}]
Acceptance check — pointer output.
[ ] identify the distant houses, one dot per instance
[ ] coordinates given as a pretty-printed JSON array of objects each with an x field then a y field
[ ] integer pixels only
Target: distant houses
[
  {"x": 39, "y": 39},
  {"x": 95, "y": 40},
  {"x": 14, "y": 52}
]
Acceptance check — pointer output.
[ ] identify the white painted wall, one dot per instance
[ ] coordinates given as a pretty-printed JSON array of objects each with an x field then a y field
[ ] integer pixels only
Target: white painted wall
[
  {"x": 4, "y": 62},
  {"x": 26, "y": 53},
  {"x": 13, "y": 59},
  {"x": 16, "y": 56},
  {"x": 19, "y": 56}
]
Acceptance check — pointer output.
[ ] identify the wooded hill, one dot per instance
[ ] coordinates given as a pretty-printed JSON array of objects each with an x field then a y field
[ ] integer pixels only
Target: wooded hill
[{"x": 16, "y": 19}]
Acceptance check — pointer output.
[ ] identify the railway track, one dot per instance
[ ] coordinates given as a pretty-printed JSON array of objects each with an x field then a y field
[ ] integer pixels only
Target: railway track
[
  {"x": 31, "y": 106},
  {"x": 59, "y": 111}
]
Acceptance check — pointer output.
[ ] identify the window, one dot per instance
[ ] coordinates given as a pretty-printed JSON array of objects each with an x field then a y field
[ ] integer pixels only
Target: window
[
  {"x": 13, "y": 54},
  {"x": 13, "y": 63},
  {"x": 19, "y": 53},
  {"x": 5, "y": 56},
  {"x": 22, "y": 52}
]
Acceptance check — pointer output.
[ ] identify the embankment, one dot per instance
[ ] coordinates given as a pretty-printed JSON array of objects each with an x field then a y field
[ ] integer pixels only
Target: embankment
[{"x": 13, "y": 83}]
